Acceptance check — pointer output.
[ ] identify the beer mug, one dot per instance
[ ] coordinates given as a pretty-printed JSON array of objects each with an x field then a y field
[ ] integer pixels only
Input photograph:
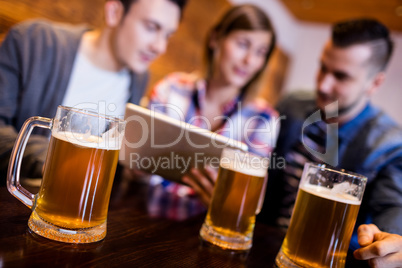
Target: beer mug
[
  {"x": 323, "y": 218},
  {"x": 237, "y": 198},
  {"x": 72, "y": 202}
]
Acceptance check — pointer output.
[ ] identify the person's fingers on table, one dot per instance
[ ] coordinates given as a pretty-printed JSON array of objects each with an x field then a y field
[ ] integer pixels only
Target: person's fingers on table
[
  {"x": 365, "y": 234},
  {"x": 384, "y": 244},
  {"x": 393, "y": 260}
]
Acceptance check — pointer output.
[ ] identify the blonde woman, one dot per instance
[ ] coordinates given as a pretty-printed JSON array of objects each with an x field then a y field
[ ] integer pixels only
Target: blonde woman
[{"x": 222, "y": 100}]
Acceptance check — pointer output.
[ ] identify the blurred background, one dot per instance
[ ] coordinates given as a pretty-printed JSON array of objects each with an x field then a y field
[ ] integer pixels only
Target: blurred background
[{"x": 302, "y": 27}]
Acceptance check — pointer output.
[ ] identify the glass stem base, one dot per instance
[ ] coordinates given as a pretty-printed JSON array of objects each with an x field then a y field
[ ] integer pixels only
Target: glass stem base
[
  {"x": 282, "y": 261},
  {"x": 238, "y": 242},
  {"x": 77, "y": 236}
]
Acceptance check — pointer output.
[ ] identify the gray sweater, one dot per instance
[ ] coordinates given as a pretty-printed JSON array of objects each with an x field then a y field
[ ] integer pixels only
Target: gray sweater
[{"x": 36, "y": 61}]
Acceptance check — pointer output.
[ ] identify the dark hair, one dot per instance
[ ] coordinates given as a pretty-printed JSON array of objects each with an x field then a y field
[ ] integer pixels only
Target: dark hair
[
  {"x": 369, "y": 32},
  {"x": 127, "y": 4},
  {"x": 242, "y": 17}
]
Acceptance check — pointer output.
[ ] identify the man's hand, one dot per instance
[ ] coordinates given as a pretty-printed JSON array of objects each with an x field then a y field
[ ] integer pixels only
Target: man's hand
[
  {"x": 381, "y": 249},
  {"x": 202, "y": 183}
]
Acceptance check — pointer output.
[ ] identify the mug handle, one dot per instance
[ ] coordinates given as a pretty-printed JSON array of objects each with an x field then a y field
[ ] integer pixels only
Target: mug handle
[{"x": 14, "y": 166}]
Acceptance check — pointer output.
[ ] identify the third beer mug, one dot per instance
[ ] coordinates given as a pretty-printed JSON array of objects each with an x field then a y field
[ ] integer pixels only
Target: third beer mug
[
  {"x": 237, "y": 198},
  {"x": 73, "y": 200},
  {"x": 323, "y": 218}
]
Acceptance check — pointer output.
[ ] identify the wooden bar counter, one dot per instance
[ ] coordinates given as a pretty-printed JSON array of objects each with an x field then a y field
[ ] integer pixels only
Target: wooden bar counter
[{"x": 133, "y": 239}]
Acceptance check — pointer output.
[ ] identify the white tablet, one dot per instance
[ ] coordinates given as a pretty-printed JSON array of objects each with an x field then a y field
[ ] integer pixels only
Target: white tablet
[{"x": 159, "y": 144}]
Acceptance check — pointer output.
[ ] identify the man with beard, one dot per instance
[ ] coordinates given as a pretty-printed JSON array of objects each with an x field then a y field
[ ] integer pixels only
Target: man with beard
[{"x": 339, "y": 127}]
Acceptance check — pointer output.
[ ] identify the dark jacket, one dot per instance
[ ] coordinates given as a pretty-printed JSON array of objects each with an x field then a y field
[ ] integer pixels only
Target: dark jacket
[{"x": 370, "y": 144}]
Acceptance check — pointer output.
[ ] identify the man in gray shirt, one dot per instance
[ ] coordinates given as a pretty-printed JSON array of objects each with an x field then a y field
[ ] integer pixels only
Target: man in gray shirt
[{"x": 39, "y": 67}]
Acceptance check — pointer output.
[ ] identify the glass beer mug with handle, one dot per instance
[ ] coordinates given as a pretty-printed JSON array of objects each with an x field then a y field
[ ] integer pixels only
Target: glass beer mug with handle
[
  {"x": 237, "y": 198},
  {"x": 323, "y": 218},
  {"x": 72, "y": 202}
]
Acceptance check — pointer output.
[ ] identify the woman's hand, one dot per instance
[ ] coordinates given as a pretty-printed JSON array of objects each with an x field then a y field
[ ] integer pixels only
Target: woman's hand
[
  {"x": 381, "y": 249},
  {"x": 202, "y": 183}
]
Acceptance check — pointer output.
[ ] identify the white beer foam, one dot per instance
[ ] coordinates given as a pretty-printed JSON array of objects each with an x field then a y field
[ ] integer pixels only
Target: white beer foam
[
  {"x": 252, "y": 168},
  {"x": 84, "y": 140},
  {"x": 331, "y": 194}
]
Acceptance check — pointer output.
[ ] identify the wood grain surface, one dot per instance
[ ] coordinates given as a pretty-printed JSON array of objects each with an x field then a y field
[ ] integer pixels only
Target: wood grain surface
[{"x": 134, "y": 239}]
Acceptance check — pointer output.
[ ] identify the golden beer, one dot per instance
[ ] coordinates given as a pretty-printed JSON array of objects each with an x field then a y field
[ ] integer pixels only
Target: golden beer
[
  {"x": 77, "y": 182},
  {"x": 321, "y": 227},
  {"x": 231, "y": 216},
  {"x": 72, "y": 203}
]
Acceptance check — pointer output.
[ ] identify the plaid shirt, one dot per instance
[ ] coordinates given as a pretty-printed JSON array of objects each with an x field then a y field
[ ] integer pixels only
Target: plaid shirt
[{"x": 182, "y": 96}]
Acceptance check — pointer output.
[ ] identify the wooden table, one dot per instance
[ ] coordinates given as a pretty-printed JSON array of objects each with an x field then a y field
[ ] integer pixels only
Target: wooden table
[{"x": 133, "y": 240}]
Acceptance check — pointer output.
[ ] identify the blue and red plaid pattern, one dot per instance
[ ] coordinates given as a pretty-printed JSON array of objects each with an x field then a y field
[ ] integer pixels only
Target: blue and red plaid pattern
[{"x": 182, "y": 96}]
